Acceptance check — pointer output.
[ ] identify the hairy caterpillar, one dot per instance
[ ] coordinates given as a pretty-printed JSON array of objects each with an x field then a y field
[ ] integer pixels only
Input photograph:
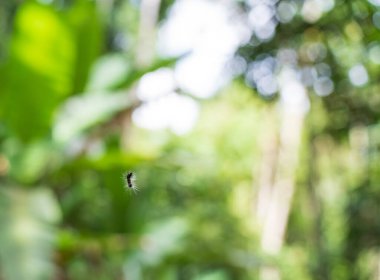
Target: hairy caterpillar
[{"x": 129, "y": 181}]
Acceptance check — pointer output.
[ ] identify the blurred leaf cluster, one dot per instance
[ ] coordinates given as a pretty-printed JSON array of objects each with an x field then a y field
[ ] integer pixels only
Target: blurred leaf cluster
[
  {"x": 332, "y": 47},
  {"x": 65, "y": 83}
]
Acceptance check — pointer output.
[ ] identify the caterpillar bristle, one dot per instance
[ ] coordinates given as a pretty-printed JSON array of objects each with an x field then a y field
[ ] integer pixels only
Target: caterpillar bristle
[{"x": 129, "y": 181}]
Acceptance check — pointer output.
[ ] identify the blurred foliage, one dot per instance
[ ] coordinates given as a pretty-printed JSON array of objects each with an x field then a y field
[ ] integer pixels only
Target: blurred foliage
[
  {"x": 64, "y": 213},
  {"x": 325, "y": 42}
]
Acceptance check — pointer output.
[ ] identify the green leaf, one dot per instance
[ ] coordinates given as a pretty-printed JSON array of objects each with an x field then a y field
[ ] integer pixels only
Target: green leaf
[
  {"x": 108, "y": 71},
  {"x": 136, "y": 74},
  {"x": 30, "y": 162},
  {"x": 115, "y": 72},
  {"x": 84, "y": 19},
  {"x": 82, "y": 112},
  {"x": 39, "y": 71}
]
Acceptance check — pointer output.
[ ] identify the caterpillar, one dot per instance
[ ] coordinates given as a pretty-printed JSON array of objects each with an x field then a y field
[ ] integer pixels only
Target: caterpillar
[{"x": 129, "y": 181}]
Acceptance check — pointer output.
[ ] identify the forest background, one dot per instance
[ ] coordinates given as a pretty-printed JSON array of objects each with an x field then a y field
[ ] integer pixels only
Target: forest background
[{"x": 252, "y": 128}]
